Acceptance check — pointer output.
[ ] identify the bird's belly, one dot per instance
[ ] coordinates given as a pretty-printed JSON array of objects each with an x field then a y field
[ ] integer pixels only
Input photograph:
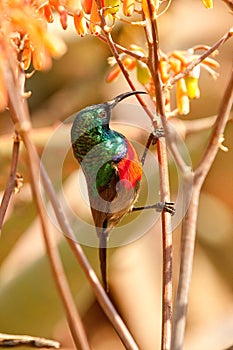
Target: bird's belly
[
  {"x": 112, "y": 211},
  {"x": 122, "y": 204}
]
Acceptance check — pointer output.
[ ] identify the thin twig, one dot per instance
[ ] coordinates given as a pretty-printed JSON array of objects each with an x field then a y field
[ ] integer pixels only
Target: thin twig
[
  {"x": 190, "y": 222},
  {"x": 153, "y": 63},
  {"x": 20, "y": 116},
  {"x": 194, "y": 63},
  {"x": 10, "y": 340},
  {"x": 11, "y": 182},
  {"x": 126, "y": 51}
]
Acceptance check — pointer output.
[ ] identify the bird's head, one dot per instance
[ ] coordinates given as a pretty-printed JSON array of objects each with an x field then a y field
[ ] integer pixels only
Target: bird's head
[{"x": 99, "y": 114}]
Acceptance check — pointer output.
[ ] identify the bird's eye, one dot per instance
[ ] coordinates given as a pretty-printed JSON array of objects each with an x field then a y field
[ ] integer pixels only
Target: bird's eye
[{"x": 103, "y": 114}]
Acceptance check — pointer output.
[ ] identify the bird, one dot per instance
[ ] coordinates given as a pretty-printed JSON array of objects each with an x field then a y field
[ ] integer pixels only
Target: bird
[{"x": 111, "y": 166}]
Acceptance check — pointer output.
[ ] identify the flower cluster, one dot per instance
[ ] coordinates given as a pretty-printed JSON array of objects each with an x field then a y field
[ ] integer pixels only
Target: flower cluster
[
  {"x": 24, "y": 39},
  {"x": 169, "y": 66},
  {"x": 87, "y": 15},
  {"x": 24, "y": 36}
]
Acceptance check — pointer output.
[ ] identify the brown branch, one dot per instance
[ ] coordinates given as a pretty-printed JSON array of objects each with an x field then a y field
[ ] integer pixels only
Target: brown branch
[
  {"x": 10, "y": 340},
  {"x": 20, "y": 116},
  {"x": 124, "y": 50},
  {"x": 214, "y": 142},
  {"x": 194, "y": 63},
  {"x": 190, "y": 222},
  {"x": 153, "y": 63},
  {"x": 11, "y": 182},
  {"x": 229, "y": 3}
]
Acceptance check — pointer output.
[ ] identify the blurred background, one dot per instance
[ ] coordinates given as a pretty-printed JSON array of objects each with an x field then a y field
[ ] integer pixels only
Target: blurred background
[{"x": 29, "y": 302}]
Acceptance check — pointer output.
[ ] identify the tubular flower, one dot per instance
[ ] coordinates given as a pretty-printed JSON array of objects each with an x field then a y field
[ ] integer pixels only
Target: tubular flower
[
  {"x": 188, "y": 87},
  {"x": 169, "y": 66},
  {"x": 86, "y": 14},
  {"x": 80, "y": 22},
  {"x": 128, "y": 7},
  {"x": 182, "y": 99}
]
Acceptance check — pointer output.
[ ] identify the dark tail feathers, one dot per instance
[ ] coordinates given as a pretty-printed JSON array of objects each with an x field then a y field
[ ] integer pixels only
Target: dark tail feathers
[{"x": 103, "y": 257}]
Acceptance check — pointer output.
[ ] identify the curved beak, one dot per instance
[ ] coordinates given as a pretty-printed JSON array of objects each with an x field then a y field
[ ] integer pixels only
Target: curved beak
[{"x": 121, "y": 97}]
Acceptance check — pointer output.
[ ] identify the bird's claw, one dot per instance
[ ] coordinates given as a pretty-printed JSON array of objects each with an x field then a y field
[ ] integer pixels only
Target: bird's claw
[
  {"x": 165, "y": 206},
  {"x": 159, "y": 207},
  {"x": 157, "y": 134}
]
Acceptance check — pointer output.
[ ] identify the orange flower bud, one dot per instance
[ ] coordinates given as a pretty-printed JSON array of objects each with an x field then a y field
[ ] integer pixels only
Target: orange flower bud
[
  {"x": 94, "y": 19},
  {"x": 128, "y": 7},
  {"x": 40, "y": 59},
  {"x": 48, "y": 13},
  {"x": 180, "y": 55},
  {"x": 113, "y": 75},
  {"x": 129, "y": 63},
  {"x": 63, "y": 18},
  {"x": 80, "y": 23},
  {"x": 163, "y": 68},
  {"x": 175, "y": 65},
  {"x": 182, "y": 99},
  {"x": 87, "y": 5}
]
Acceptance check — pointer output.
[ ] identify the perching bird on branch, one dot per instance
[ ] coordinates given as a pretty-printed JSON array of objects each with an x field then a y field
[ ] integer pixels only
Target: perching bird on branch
[{"x": 111, "y": 166}]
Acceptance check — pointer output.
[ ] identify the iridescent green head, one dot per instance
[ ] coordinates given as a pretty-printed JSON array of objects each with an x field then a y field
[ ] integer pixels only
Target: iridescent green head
[{"x": 92, "y": 118}]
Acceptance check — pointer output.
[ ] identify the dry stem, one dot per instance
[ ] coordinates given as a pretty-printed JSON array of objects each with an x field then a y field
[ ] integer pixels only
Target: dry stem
[
  {"x": 10, "y": 340},
  {"x": 207, "y": 53},
  {"x": 190, "y": 221},
  {"x": 11, "y": 182},
  {"x": 153, "y": 63}
]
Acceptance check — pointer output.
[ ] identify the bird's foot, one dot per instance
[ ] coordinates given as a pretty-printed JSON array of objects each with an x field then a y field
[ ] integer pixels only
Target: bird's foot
[
  {"x": 157, "y": 134},
  {"x": 159, "y": 207},
  {"x": 152, "y": 140},
  {"x": 165, "y": 206}
]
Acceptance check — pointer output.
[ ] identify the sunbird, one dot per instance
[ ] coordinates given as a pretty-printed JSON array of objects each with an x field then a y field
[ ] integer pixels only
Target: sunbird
[{"x": 112, "y": 169}]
